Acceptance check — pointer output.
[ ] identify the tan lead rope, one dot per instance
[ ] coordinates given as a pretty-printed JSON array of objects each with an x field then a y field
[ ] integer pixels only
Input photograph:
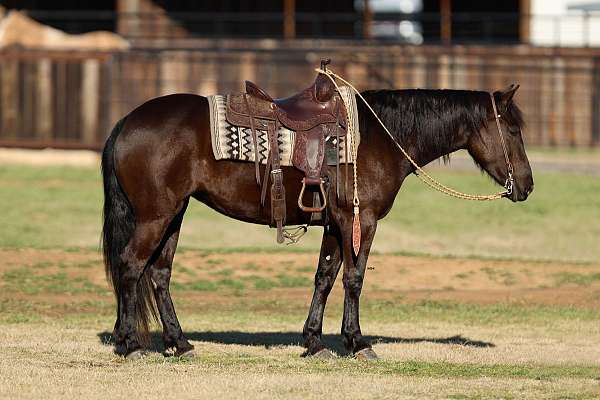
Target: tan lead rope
[{"x": 421, "y": 174}]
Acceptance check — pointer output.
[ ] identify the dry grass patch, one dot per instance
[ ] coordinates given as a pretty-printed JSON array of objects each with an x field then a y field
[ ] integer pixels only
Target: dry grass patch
[
  {"x": 533, "y": 336},
  {"x": 52, "y": 361}
]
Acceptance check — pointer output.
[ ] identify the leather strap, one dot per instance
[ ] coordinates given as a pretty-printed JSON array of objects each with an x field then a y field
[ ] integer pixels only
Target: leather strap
[
  {"x": 277, "y": 190},
  {"x": 346, "y": 201},
  {"x": 316, "y": 216},
  {"x": 337, "y": 149},
  {"x": 254, "y": 138},
  {"x": 265, "y": 183},
  {"x": 275, "y": 162}
]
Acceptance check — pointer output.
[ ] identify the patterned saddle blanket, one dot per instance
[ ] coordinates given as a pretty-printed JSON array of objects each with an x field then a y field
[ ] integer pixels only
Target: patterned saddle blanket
[{"x": 230, "y": 142}]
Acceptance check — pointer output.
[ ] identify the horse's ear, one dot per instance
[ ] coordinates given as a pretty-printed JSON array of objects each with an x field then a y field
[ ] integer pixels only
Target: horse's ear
[{"x": 507, "y": 94}]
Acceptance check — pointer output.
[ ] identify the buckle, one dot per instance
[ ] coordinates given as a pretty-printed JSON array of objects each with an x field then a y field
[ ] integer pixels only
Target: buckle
[{"x": 509, "y": 184}]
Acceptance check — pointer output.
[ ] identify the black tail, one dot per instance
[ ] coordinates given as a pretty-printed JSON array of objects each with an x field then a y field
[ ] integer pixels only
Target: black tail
[{"x": 118, "y": 227}]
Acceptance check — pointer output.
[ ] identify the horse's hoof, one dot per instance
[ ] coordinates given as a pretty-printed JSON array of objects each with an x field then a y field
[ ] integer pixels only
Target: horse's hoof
[
  {"x": 135, "y": 355},
  {"x": 191, "y": 353},
  {"x": 323, "y": 354},
  {"x": 366, "y": 354}
]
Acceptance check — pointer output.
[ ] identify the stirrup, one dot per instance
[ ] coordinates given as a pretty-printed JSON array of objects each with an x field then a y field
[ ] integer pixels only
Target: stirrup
[{"x": 312, "y": 209}]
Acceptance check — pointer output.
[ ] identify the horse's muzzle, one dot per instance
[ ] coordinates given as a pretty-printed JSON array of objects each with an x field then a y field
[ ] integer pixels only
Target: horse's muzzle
[{"x": 521, "y": 195}]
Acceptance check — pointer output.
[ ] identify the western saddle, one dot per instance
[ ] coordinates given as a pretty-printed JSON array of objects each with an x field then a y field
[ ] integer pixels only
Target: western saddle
[{"x": 315, "y": 114}]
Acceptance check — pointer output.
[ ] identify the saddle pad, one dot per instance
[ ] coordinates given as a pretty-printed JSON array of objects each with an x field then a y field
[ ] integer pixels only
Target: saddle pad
[{"x": 230, "y": 142}]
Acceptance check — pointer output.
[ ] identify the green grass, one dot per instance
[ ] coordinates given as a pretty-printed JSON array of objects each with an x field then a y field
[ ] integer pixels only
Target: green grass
[
  {"x": 201, "y": 285},
  {"x": 22, "y": 280},
  {"x": 50, "y": 207},
  {"x": 474, "y": 314},
  {"x": 250, "y": 267},
  {"x": 184, "y": 270},
  {"x": 565, "y": 278},
  {"x": 289, "y": 281},
  {"x": 59, "y": 207},
  {"x": 225, "y": 280},
  {"x": 306, "y": 268},
  {"x": 401, "y": 368},
  {"x": 223, "y": 272},
  {"x": 500, "y": 276},
  {"x": 259, "y": 282},
  {"x": 463, "y": 275},
  {"x": 565, "y": 152},
  {"x": 247, "y": 311}
]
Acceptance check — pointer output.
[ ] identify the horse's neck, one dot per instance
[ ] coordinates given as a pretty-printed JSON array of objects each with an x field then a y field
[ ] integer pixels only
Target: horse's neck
[
  {"x": 425, "y": 156},
  {"x": 447, "y": 140},
  {"x": 424, "y": 153}
]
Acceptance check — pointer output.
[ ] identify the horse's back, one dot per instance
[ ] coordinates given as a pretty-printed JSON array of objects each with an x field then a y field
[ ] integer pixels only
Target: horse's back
[
  {"x": 162, "y": 115},
  {"x": 171, "y": 122}
]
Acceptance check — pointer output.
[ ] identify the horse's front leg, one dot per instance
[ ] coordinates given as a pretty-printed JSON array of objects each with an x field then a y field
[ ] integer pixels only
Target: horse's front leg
[
  {"x": 330, "y": 260},
  {"x": 354, "y": 273}
]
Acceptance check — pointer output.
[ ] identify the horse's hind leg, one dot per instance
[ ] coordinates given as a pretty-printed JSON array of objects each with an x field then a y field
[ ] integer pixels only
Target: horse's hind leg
[
  {"x": 160, "y": 271},
  {"x": 330, "y": 260},
  {"x": 135, "y": 289}
]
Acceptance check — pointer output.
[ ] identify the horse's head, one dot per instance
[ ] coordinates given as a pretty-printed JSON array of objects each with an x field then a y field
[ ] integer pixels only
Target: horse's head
[{"x": 487, "y": 149}]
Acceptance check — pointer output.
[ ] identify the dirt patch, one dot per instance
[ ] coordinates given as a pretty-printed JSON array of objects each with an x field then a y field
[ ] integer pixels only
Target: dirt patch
[
  {"x": 63, "y": 277},
  {"x": 75, "y": 158}
]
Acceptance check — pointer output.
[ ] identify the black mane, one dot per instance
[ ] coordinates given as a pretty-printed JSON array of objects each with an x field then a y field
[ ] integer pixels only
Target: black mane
[{"x": 429, "y": 119}]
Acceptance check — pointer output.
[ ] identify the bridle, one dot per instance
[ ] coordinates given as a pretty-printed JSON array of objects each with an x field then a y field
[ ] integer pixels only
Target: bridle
[{"x": 509, "y": 184}]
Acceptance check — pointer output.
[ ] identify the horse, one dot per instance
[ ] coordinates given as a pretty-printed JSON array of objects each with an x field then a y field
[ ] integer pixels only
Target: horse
[{"x": 159, "y": 156}]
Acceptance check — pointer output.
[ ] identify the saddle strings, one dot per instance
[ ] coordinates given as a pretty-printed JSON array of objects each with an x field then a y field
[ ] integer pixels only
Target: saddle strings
[{"x": 420, "y": 173}]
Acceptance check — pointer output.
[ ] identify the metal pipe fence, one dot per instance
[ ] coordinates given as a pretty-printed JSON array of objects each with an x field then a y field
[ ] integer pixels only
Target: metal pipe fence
[
  {"x": 72, "y": 99},
  {"x": 572, "y": 29}
]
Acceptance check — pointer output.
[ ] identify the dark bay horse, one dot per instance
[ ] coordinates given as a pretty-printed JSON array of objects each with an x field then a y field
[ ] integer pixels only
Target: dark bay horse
[{"x": 159, "y": 156}]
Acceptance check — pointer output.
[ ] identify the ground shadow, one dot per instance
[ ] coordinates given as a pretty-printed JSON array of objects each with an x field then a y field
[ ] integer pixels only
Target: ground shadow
[{"x": 273, "y": 339}]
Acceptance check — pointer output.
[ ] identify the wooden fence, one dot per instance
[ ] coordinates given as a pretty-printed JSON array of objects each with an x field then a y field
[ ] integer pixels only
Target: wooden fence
[{"x": 71, "y": 100}]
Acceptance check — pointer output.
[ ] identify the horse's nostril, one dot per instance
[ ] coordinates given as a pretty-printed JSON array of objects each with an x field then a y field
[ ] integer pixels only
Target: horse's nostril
[{"x": 530, "y": 189}]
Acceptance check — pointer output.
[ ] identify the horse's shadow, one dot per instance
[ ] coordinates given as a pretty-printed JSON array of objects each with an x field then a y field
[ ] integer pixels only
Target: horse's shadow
[{"x": 274, "y": 339}]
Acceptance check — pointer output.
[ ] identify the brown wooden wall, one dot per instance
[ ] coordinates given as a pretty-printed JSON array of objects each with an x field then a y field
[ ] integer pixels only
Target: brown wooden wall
[{"x": 72, "y": 99}]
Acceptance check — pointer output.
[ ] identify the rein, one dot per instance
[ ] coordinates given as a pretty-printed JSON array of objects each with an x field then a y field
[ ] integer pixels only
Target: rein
[{"x": 419, "y": 172}]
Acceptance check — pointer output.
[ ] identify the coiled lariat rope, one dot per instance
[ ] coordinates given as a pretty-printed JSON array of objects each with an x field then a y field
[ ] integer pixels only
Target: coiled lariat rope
[{"x": 421, "y": 174}]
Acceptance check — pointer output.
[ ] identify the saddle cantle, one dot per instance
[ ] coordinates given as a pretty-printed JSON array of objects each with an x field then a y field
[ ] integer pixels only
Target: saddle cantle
[
  {"x": 255, "y": 91},
  {"x": 315, "y": 114}
]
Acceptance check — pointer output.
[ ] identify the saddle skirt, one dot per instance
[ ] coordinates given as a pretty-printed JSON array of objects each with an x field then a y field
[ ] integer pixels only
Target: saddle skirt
[{"x": 235, "y": 142}]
